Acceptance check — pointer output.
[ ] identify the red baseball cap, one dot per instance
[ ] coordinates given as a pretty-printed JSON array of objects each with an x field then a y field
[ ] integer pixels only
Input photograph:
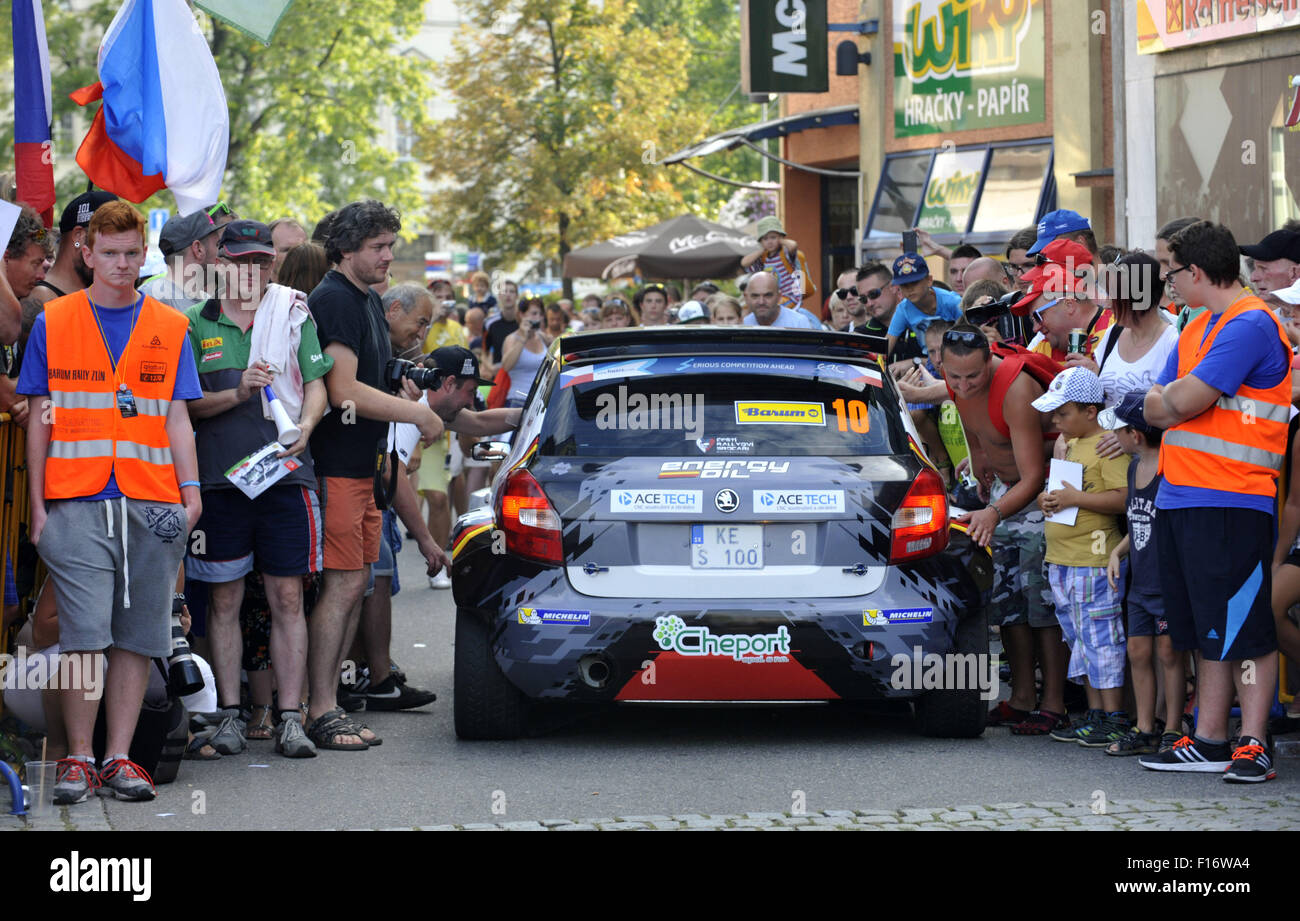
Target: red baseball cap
[
  {"x": 1050, "y": 279},
  {"x": 1067, "y": 253}
]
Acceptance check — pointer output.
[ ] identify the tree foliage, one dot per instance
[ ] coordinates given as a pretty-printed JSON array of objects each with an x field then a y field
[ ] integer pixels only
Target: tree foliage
[
  {"x": 563, "y": 110},
  {"x": 303, "y": 112},
  {"x": 712, "y": 101}
]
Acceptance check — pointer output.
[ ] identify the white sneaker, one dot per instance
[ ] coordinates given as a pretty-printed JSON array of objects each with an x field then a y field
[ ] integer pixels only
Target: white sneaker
[{"x": 441, "y": 580}]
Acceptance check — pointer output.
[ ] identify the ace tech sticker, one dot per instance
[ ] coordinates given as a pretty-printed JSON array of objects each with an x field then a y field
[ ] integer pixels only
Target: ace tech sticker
[{"x": 752, "y": 412}]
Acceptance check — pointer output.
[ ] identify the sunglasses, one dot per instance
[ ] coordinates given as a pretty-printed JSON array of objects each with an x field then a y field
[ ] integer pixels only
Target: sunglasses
[
  {"x": 220, "y": 209},
  {"x": 845, "y": 293},
  {"x": 1038, "y": 314},
  {"x": 964, "y": 337}
]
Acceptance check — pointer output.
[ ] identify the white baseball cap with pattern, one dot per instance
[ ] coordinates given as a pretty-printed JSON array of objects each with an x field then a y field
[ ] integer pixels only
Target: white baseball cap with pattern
[{"x": 1073, "y": 385}]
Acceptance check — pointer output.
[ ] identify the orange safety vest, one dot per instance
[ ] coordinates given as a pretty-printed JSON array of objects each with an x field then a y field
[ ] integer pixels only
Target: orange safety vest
[
  {"x": 89, "y": 438},
  {"x": 1239, "y": 443}
]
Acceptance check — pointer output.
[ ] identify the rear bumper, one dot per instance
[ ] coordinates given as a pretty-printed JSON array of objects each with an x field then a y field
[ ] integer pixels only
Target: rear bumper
[{"x": 559, "y": 644}]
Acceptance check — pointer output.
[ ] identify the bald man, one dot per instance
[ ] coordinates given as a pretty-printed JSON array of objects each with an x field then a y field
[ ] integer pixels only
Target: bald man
[
  {"x": 764, "y": 300},
  {"x": 985, "y": 267}
]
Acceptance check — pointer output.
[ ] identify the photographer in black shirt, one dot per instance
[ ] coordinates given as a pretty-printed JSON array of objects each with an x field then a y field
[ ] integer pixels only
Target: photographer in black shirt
[{"x": 348, "y": 444}]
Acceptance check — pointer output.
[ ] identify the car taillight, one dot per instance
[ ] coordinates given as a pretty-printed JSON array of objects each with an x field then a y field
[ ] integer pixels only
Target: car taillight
[
  {"x": 532, "y": 526},
  {"x": 920, "y": 526}
]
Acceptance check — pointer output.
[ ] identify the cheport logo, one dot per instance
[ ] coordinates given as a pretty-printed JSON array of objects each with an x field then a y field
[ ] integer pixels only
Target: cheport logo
[
  {"x": 777, "y": 413},
  {"x": 672, "y": 635}
]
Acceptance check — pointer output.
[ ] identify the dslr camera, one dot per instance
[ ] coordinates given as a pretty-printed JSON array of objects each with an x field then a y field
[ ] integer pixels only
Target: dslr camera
[{"x": 399, "y": 368}]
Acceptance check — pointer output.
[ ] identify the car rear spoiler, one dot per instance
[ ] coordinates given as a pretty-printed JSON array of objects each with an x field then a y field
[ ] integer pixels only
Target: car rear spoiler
[{"x": 671, "y": 341}]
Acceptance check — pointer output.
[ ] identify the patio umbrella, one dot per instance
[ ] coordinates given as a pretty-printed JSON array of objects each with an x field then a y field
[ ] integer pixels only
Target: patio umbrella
[{"x": 682, "y": 247}]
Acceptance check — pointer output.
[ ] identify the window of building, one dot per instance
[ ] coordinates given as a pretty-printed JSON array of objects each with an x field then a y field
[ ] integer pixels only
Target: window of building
[
  {"x": 980, "y": 194},
  {"x": 899, "y": 194},
  {"x": 1013, "y": 186}
]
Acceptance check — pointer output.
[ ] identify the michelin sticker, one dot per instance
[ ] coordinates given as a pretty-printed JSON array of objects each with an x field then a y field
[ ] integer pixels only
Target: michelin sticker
[
  {"x": 752, "y": 412},
  {"x": 656, "y": 501},
  {"x": 878, "y": 617},
  {"x": 798, "y": 501},
  {"x": 539, "y": 616},
  {"x": 672, "y": 635}
]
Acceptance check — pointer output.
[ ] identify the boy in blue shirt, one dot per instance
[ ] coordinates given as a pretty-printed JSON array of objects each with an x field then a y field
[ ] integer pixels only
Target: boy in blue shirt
[{"x": 922, "y": 303}]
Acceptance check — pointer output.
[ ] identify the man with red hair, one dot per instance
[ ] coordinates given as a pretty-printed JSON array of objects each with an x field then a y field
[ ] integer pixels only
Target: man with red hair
[{"x": 114, "y": 491}]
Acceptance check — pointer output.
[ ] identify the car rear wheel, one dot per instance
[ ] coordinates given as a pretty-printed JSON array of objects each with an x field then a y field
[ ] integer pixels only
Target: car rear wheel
[
  {"x": 954, "y": 713},
  {"x": 486, "y": 704}
]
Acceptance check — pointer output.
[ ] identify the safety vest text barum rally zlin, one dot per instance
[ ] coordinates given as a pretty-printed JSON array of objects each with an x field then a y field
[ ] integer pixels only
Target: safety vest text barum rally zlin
[
  {"x": 89, "y": 437},
  {"x": 1239, "y": 443}
]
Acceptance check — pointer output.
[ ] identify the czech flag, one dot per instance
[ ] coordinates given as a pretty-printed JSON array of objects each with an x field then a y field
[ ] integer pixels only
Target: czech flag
[
  {"x": 164, "y": 121},
  {"x": 33, "y": 152}
]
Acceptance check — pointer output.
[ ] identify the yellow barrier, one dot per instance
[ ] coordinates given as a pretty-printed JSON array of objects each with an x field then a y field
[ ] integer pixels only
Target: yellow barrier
[{"x": 15, "y": 513}]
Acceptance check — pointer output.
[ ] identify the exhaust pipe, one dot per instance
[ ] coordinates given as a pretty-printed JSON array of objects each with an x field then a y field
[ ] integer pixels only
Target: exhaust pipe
[{"x": 594, "y": 670}]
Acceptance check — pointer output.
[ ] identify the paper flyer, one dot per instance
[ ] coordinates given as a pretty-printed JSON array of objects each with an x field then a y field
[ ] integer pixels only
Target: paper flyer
[
  {"x": 1063, "y": 473},
  {"x": 261, "y": 470}
]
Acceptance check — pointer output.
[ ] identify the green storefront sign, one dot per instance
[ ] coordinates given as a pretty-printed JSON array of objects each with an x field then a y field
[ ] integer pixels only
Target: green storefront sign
[
  {"x": 787, "y": 46},
  {"x": 966, "y": 64}
]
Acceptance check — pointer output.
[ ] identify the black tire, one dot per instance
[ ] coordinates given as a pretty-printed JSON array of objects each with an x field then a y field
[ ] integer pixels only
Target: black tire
[
  {"x": 485, "y": 704},
  {"x": 953, "y": 713}
]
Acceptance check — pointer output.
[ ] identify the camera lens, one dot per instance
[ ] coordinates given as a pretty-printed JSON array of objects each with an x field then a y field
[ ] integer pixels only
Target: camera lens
[{"x": 183, "y": 674}]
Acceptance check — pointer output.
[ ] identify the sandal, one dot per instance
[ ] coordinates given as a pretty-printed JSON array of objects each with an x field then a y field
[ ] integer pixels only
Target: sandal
[
  {"x": 259, "y": 727},
  {"x": 1135, "y": 742},
  {"x": 366, "y": 734},
  {"x": 1040, "y": 723},
  {"x": 1006, "y": 715},
  {"x": 198, "y": 749},
  {"x": 331, "y": 725}
]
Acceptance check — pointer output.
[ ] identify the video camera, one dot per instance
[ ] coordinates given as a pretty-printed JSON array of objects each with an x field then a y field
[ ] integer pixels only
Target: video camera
[
  {"x": 985, "y": 314},
  {"x": 399, "y": 368}
]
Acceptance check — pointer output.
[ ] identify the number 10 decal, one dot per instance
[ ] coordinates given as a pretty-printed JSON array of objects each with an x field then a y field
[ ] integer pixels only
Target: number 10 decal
[{"x": 853, "y": 416}]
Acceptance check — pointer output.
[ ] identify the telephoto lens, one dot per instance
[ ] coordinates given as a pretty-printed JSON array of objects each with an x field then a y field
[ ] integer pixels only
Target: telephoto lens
[{"x": 183, "y": 675}]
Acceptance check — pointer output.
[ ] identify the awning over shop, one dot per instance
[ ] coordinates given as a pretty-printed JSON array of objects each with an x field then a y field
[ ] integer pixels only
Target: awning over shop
[
  {"x": 749, "y": 135},
  {"x": 773, "y": 128}
]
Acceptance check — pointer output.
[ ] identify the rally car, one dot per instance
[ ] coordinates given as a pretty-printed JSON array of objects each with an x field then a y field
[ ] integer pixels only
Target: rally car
[{"x": 716, "y": 515}]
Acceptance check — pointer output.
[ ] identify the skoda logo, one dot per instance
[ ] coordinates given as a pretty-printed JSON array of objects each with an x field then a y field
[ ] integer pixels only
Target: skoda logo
[{"x": 726, "y": 500}]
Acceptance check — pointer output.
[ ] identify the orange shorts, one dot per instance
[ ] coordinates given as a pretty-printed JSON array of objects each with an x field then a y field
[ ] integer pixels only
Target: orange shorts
[{"x": 352, "y": 522}]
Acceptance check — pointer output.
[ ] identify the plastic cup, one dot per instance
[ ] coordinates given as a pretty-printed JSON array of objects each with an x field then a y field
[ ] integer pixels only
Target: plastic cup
[{"x": 40, "y": 784}]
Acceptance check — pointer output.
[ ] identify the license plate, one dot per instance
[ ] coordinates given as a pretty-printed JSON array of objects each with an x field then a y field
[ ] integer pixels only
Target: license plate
[{"x": 726, "y": 546}]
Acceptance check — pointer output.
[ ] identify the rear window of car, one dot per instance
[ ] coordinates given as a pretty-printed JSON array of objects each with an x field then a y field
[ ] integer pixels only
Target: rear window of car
[{"x": 723, "y": 405}]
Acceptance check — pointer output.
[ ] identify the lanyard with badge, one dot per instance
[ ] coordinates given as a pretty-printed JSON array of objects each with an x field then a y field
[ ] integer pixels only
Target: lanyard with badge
[{"x": 125, "y": 398}]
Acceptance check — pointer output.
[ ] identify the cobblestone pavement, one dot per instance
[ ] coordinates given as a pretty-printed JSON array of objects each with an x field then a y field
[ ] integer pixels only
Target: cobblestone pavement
[{"x": 1276, "y": 813}]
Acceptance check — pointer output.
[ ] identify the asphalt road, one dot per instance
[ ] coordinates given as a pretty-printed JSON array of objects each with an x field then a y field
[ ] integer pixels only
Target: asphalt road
[{"x": 638, "y": 762}]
